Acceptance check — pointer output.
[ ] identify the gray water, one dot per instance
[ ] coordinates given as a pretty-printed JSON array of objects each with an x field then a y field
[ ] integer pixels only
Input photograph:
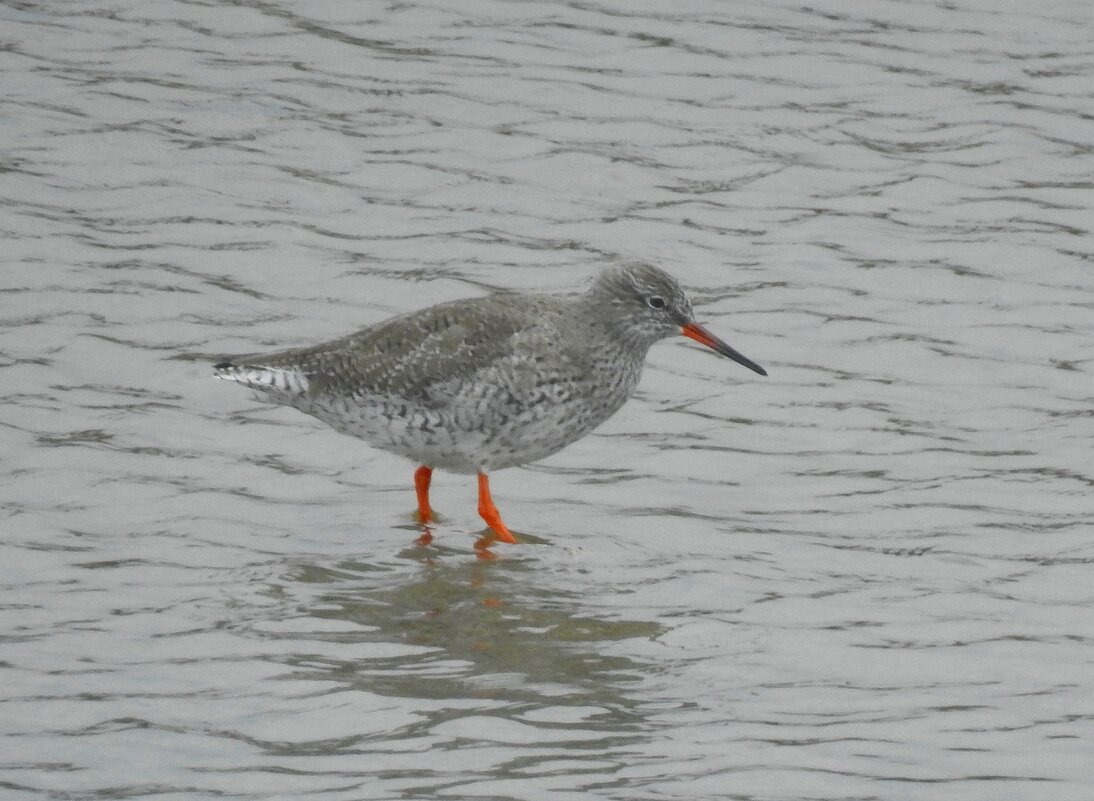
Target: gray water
[{"x": 868, "y": 576}]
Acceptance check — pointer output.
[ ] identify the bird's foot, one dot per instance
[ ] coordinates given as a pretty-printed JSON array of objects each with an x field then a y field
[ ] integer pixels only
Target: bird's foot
[
  {"x": 489, "y": 512},
  {"x": 425, "y": 518},
  {"x": 488, "y": 539}
]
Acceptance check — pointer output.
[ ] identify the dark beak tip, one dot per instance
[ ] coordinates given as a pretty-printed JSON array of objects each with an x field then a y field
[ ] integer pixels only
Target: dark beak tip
[{"x": 695, "y": 331}]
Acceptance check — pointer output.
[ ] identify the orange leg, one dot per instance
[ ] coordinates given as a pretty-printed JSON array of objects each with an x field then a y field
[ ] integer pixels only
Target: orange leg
[
  {"x": 421, "y": 485},
  {"x": 490, "y": 513}
]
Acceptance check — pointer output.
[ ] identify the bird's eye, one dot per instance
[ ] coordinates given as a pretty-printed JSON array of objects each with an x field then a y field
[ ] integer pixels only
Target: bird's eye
[{"x": 656, "y": 302}]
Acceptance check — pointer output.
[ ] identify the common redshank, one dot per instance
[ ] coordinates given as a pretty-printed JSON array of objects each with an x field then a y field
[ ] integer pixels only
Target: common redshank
[{"x": 480, "y": 384}]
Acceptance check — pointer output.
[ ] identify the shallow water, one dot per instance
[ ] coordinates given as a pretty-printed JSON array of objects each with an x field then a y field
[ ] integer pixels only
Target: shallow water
[{"x": 865, "y": 577}]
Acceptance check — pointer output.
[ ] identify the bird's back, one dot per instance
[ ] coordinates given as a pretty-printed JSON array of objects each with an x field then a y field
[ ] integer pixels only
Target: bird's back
[{"x": 493, "y": 381}]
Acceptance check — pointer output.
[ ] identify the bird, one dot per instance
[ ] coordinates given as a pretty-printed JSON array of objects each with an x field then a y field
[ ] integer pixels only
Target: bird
[{"x": 480, "y": 384}]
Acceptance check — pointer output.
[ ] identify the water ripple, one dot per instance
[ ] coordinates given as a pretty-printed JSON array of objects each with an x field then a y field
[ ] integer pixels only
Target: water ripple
[{"x": 864, "y": 577}]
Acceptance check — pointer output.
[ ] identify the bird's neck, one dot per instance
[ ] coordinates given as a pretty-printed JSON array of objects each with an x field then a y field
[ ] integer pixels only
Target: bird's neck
[{"x": 612, "y": 316}]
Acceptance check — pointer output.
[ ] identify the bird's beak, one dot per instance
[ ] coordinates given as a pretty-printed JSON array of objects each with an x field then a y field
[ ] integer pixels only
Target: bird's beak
[{"x": 701, "y": 335}]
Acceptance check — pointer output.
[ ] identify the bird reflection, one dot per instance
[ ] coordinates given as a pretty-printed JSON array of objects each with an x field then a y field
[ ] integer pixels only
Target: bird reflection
[{"x": 487, "y": 625}]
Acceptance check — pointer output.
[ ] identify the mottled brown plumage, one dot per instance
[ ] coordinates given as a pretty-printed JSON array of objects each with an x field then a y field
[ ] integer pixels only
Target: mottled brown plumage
[{"x": 485, "y": 383}]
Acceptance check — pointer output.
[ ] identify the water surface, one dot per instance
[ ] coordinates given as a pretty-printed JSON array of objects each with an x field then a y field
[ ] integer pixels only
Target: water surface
[{"x": 865, "y": 577}]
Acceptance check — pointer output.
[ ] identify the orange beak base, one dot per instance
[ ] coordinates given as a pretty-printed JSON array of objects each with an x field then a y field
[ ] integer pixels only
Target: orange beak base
[{"x": 704, "y": 337}]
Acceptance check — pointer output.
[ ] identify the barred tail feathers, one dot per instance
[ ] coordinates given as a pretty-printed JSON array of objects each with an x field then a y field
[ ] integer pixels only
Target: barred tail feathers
[{"x": 275, "y": 380}]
